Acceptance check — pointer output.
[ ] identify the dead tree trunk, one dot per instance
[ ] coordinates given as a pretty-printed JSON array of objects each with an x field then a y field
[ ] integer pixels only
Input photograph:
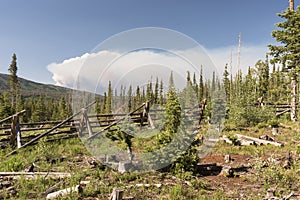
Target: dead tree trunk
[
  {"x": 293, "y": 100},
  {"x": 292, "y": 5}
]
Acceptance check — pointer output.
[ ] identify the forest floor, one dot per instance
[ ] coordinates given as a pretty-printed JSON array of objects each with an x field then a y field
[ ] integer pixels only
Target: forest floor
[{"x": 257, "y": 170}]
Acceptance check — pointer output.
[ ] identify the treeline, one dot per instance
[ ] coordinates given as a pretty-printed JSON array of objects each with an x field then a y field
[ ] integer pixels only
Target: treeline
[
  {"x": 125, "y": 100},
  {"x": 38, "y": 108}
]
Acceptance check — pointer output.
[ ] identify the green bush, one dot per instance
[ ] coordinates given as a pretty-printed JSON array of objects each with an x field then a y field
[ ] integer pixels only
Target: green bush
[
  {"x": 262, "y": 125},
  {"x": 245, "y": 116},
  {"x": 273, "y": 123}
]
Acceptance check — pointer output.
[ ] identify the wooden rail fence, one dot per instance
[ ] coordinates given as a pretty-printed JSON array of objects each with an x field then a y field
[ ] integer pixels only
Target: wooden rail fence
[{"x": 79, "y": 123}]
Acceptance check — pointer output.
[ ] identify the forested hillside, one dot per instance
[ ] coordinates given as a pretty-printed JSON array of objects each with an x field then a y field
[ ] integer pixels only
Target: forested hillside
[
  {"x": 30, "y": 88},
  {"x": 41, "y": 101}
]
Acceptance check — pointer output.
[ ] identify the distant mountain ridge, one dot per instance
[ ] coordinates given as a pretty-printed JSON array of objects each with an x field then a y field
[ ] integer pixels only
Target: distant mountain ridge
[{"x": 31, "y": 88}]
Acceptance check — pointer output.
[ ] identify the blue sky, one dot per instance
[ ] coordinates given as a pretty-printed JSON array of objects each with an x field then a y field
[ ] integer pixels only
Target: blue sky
[{"x": 45, "y": 32}]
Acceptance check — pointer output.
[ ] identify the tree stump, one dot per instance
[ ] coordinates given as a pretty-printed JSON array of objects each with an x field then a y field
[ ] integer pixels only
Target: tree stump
[
  {"x": 227, "y": 158},
  {"x": 117, "y": 194}
]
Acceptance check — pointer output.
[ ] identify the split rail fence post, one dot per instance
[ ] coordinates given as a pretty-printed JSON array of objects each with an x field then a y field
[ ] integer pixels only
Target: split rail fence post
[
  {"x": 15, "y": 137},
  {"x": 84, "y": 120}
]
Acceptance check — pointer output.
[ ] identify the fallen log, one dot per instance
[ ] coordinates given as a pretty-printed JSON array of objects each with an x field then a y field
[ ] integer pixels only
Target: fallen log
[
  {"x": 246, "y": 142},
  {"x": 32, "y": 175},
  {"x": 63, "y": 192},
  {"x": 226, "y": 139},
  {"x": 158, "y": 185},
  {"x": 258, "y": 141}
]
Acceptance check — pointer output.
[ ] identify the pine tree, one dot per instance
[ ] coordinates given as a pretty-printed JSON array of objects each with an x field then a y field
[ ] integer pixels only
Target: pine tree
[
  {"x": 189, "y": 93},
  {"x": 143, "y": 95},
  {"x": 213, "y": 82},
  {"x": 104, "y": 103},
  {"x": 226, "y": 83},
  {"x": 201, "y": 86},
  {"x": 288, "y": 54},
  {"x": 149, "y": 92},
  {"x": 156, "y": 91},
  {"x": 161, "y": 93},
  {"x": 129, "y": 99},
  {"x": 13, "y": 82},
  {"x": 137, "y": 98},
  {"x": 109, "y": 99},
  {"x": 173, "y": 109},
  {"x": 195, "y": 85},
  {"x": 97, "y": 106}
]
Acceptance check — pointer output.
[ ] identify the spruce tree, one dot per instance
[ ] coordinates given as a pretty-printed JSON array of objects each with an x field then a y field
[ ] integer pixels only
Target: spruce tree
[
  {"x": 156, "y": 91},
  {"x": 213, "y": 82},
  {"x": 129, "y": 99},
  {"x": 13, "y": 82},
  {"x": 161, "y": 93},
  {"x": 226, "y": 83},
  {"x": 195, "y": 85},
  {"x": 104, "y": 103},
  {"x": 137, "y": 98},
  {"x": 108, "y": 102},
  {"x": 288, "y": 53},
  {"x": 201, "y": 86},
  {"x": 173, "y": 109}
]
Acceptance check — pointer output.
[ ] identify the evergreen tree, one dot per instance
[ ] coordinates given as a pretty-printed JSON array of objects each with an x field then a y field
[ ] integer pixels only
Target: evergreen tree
[
  {"x": 97, "y": 106},
  {"x": 108, "y": 102},
  {"x": 173, "y": 109},
  {"x": 13, "y": 82},
  {"x": 161, "y": 94},
  {"x": 156, "y": 91},
  {"x": 129, "y": 99},
  {"x": 143, "y": 95},
  {"x": 195, "y": 85},
  {"x": 137, "y": 98},
  {"x": 226, "y": 83},
  {"x": 173, "y": 114},
  {"x": 189, "y": 93},
  {"x": 104, "y": 103},
  {"x": 149, "y": 92},
  {"x": 288, "y": 53},
  {"x": 201, "y": 86},
  {"x": 213, "y": 82}
]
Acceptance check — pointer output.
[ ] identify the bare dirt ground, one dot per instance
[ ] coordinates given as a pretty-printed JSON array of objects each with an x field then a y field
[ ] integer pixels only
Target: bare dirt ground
[{"x": 245, "y": 183}]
